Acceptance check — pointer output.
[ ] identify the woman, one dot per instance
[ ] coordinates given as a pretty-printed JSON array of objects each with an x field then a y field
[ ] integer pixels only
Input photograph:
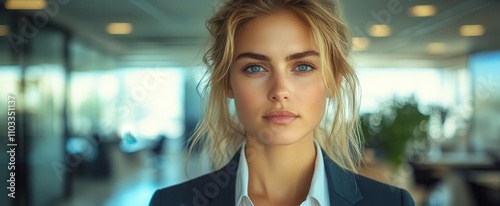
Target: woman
[{"x": 294, "y": 139}]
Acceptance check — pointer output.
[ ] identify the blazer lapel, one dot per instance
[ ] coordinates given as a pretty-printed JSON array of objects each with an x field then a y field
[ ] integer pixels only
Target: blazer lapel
[
  {"x": 342, "y": 185},
  {"x": 226, "y": 191}
]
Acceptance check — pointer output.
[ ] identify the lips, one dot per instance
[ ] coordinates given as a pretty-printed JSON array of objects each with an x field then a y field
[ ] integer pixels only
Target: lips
[{"x": 280, "y": 117}]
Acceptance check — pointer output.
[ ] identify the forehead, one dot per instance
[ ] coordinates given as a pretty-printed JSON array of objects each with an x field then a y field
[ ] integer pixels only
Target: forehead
[{"x": 281, "y": 30}]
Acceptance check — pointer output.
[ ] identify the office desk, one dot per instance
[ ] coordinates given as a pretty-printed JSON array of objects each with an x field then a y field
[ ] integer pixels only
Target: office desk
[{"x": 456, "y": 160}]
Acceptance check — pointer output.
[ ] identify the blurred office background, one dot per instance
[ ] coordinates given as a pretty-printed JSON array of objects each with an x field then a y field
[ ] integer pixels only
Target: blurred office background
[{"x": 106, "y": 97}]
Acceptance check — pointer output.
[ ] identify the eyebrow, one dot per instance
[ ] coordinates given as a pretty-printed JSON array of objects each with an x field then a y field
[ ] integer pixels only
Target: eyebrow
[{"x": 266, "y": 58}]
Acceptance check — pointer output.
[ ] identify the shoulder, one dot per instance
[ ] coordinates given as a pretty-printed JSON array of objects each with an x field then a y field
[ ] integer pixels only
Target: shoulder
[
  {"x": 378, "y": 193},
  {"x": 216, "y": 188},
  {"x": 179, "y": 194},
  {"x": 346, "y": 186}
]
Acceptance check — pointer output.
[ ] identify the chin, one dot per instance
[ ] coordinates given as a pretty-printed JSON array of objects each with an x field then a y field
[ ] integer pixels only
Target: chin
[{"x": 281, "y": 138}]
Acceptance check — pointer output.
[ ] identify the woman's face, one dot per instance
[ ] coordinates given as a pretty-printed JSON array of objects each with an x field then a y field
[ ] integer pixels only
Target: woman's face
[{"x": 275, "y": 80}]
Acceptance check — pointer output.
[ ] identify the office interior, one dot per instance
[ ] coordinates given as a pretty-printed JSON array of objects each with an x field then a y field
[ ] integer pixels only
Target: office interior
[{"x": 106, "y": 97}]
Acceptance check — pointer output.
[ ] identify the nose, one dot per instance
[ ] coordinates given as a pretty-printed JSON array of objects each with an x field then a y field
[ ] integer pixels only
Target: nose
[{"x": 280, "y": 88}]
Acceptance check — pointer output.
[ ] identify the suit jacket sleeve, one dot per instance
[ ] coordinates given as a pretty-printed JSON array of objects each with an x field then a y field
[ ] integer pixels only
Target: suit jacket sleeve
[
  {"x": 156, "y": 199},
  {"x": 406, "y": 199}
]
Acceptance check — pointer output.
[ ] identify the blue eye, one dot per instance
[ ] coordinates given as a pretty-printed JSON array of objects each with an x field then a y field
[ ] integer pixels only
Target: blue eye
[
  {"x": 303, "y": 68},
  {"x": 254, "y": 69}
]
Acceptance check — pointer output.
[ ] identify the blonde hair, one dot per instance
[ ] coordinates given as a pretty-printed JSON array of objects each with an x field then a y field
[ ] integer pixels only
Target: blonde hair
[{"x": 220, "y": 134}]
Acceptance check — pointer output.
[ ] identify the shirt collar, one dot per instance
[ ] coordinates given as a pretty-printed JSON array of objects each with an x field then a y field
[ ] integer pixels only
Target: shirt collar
[
  {"x": 318, "y": 189},
  {"x": 319, "y": 183},
  {"x": 242, "y": 179}
]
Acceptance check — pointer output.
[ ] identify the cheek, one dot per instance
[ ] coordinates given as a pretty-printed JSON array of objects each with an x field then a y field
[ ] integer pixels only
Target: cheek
[
  {"x": 246, "y": 95},
  {"x": 313, "y": 97}
]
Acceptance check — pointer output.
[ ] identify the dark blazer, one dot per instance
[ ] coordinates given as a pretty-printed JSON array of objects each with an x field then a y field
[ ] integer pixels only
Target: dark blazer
[{"x": 218, "y": 188}]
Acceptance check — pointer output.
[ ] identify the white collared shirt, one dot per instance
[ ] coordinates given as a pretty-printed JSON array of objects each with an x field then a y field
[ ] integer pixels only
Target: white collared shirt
[{"x": 318, "y": 191}]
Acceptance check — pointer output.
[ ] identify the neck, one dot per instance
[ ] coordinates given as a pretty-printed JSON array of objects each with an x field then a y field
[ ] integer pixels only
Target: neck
[{"x": 277, "y": 173}]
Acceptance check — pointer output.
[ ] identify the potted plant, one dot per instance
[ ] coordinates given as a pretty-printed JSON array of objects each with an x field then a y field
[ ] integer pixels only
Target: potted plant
[{"x": 390, "y": 130}]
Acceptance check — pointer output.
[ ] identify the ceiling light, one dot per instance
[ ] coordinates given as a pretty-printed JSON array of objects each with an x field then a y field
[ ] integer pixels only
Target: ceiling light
[
  {"x": 119, "y": 28},
  {"x": 436, "y": 48},
  {"x": 4, "y": 30},
  {"x": 423, "y": 10},
  {"x": 472, "y": 30},
  {"x": 380, "y": 30},
  {"x": 25, "y": 4},
  {"x": 360, "y": 43}
]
